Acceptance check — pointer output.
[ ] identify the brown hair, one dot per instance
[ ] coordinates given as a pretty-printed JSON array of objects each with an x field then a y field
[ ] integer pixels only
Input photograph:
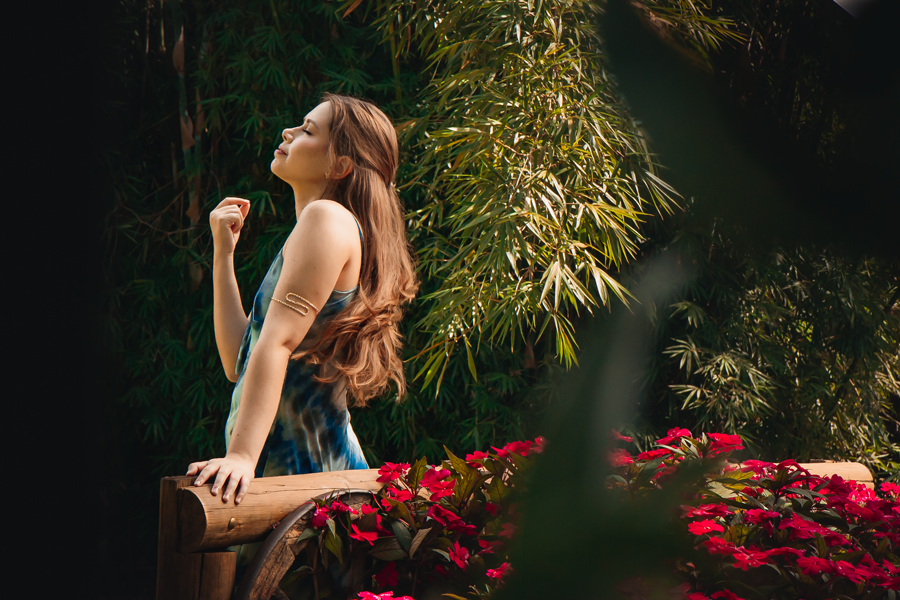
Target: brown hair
[{"x": 363, "y": 341}]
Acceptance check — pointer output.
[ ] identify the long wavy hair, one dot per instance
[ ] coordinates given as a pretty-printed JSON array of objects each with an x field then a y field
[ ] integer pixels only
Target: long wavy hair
[{"x": 363, "y": 341}]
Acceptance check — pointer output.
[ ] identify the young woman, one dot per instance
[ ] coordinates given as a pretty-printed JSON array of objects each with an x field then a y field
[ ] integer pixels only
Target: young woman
[{"x": 324, "y": 323}]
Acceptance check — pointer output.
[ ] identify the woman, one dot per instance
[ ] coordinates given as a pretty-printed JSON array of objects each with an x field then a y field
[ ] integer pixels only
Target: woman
[{"x": 324, "y": 323}]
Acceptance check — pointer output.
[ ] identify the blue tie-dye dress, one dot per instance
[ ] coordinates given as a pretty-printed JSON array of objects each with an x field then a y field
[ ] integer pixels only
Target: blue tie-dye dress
[{"x": 311, "y": 432}]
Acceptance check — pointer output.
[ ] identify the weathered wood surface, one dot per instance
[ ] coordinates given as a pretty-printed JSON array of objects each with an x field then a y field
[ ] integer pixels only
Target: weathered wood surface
[
  {"x": 177, "y": 575},
  {"x": 202, "y": 576},
  {"x": 205, "y": 519},
  {"x": 217, "y": 574},
  {"x": 846, "y": 470}
]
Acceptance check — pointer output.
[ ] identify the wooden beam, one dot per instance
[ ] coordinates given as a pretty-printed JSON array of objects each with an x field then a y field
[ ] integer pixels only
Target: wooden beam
[
  {"x": 858, "y": 472},
  {"x": 207, "y": 523}
]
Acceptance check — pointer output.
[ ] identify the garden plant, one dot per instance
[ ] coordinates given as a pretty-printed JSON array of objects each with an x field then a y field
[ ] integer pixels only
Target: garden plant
[{"x": 755, "y": 529}]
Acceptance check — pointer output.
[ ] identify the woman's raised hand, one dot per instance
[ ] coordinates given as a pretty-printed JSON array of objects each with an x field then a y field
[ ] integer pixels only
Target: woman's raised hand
[
  {"x": 232, "y": 474},
  {"x": 226, "y": 221}
]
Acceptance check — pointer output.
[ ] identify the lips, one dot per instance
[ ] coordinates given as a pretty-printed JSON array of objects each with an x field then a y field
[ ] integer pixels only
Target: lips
[{"x": 280, "y": 151}]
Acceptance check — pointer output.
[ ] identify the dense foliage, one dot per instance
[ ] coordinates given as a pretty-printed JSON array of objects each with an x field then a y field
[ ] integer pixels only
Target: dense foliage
[
  {"x": 532, "y": 197},
  {"x": 759, "y": 530}
]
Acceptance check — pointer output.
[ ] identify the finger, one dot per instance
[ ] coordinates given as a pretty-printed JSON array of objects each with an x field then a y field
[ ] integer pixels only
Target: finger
[
  {"x": 208, "y": 471},
  {"x": 245, "y": 210},
  {"x": 231, "y": 486},
  {"x": 234, "y": 201},
  {"x": 242, "y": 490},
  {"x": 221, "y": 478},
  {"x": 195, "y": 467}
]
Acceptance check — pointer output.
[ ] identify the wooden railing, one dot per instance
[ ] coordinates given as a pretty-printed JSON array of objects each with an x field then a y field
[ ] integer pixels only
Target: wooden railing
[{"x": 196, "y": 528}]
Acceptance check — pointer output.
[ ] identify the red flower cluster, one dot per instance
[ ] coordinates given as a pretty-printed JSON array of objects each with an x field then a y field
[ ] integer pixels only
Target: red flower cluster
[
  {"x": 391, "y": 471},
  {"x": 433, "y": 480}
]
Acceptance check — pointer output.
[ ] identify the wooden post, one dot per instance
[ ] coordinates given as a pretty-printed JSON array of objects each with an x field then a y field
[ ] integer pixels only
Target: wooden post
[{"x": 206, "y": 576}]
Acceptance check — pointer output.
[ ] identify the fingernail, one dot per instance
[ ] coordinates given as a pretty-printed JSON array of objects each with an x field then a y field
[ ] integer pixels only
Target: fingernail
[{"x": 237, "y": 501}]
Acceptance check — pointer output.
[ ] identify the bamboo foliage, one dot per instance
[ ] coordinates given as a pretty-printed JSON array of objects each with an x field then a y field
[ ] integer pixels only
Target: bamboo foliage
[{"x": 532, "y": 180}]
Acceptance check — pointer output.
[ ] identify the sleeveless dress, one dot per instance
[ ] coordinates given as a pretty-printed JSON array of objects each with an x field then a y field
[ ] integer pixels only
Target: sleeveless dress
[{"x": 311, "y": 432}]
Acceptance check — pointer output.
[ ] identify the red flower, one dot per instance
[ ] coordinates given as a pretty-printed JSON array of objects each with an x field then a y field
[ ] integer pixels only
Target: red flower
[
  {"x": 477, "y": 455},
  {"x": 724, "y": 440},
  {"x": 441, "y": 489},
  {"x": 501, "y": 452},
  {"x": 450, "y": 520},
  {"x": 891, "y": 489},
  {"x": 854, "y": 574},
  {"x": 618, "y": 457},
  {"x": 813, "y": 565},
  {"x": 522, "y": 448},
  {"x": 384, "y": 596},
  {"x": 320, "y": 517},
  {"x": 499, "y": 572},
  {"x": 755, "y": 516},
  {"x": 726, "y": 595},
  {"x": 716, "y": 545},
  {"x": 363, "y": 536},
  {"x": 388, "y": 576},
  {"x": 459, "y": 555},
  {"x": 804, "y": 529},
  {"x": 706, "y": 510},
  {"x": 616, "y": 436},
  {"x": 744, "y": 559},
  {"x": 673, "y": 434},
  {"x": 705, "y": 526},
  {"x": 786, "y": 550},
  {"x": 757, "y": 466},
  {"x": 539, "y": 443},
  {"x": 399, "y": 495},
  {"x": 434, "y": 475},
  {"x": 508, "y": 530},
  {"x": 391, "y": 471},
  {"x": 697, "y": 596},
  {"x": 338, "y": 506},
  {"x": 491, "y": 508},
  {"x": 651, "y": 454},
  {"x": 486, "y": 547}
]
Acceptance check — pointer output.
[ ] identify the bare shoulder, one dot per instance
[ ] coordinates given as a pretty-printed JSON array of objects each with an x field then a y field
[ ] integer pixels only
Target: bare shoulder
[{"x": 326, "y": 221}]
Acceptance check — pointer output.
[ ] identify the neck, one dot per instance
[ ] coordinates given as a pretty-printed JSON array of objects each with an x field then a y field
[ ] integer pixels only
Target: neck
[{"x": 304, "y": 194}]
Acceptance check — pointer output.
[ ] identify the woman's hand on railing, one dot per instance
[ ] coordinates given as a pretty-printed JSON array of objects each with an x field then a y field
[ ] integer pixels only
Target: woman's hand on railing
[{"x": 232, "y": 475}]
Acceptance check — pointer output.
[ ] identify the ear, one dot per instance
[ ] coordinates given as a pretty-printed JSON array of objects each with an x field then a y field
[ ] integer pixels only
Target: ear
[{"x": 342, "y": 167}]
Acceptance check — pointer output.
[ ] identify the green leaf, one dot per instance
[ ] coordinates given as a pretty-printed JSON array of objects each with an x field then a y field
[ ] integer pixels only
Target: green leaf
[
  {"x": 387, "y": 550},
  {"x": 459, "y": 465},
  {"x": 470, "y": 359},
  {"x": 335, "y": 545},
  {"x": 417, "y": 540},
  {"x": 442, "y": 553},
  {"x": 497, "y": 491},
  {"x": 402, "y": 533},
  {"x": 416, "y": 471},
  {"x": 307, "y": 533},
  {"x": 399, "y": 510}
]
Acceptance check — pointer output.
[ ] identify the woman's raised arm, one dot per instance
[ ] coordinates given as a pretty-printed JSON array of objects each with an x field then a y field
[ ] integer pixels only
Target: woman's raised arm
[{"x": 229, "y": 317}]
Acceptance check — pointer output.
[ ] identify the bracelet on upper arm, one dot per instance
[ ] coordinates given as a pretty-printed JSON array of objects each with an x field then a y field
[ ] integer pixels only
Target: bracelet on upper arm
[{"x": 301, "y": 305}]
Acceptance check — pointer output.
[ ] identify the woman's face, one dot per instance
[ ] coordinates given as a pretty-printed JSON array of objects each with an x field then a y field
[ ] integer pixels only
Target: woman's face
[{"x": 302, "y": 158}]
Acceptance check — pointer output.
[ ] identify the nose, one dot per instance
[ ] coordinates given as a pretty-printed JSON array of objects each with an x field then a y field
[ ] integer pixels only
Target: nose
[{"x": 286, "y": 135}]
